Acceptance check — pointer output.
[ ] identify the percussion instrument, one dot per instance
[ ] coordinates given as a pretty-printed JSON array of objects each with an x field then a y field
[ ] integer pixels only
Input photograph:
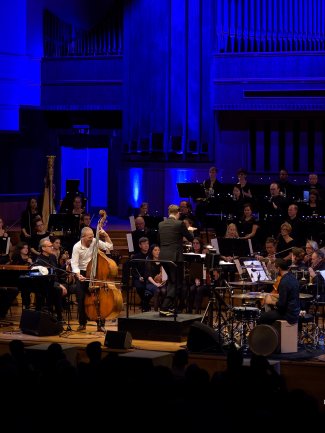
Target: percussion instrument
[
  {"x": 242, "y": 283},
  {"x": 248, "y": 314},
  {"x": 263, "y": 340},
  {"x": 305, "y": 296},
  {"x": 249, "y": 295}
]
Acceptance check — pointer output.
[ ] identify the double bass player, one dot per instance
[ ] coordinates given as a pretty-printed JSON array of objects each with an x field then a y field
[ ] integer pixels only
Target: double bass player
[{"x": 82, "y": 254}]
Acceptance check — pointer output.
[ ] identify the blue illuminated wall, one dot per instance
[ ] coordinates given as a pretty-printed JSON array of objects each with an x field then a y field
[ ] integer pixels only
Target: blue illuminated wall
[
  {"x": 242, "y": 80},
  {"x": 90, "y": 166}
]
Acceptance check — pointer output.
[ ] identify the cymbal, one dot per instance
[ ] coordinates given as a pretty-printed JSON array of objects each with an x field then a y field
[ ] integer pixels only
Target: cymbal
[
  {"x": 305, "y": 296},
  {"x": 271, "y": 282},
  {"x": 251, "y": 295},
  {"x": 242, "y": 283}
]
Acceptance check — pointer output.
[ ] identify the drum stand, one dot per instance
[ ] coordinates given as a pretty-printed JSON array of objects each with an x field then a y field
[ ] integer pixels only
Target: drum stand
[{"x": 215, "y": 304}]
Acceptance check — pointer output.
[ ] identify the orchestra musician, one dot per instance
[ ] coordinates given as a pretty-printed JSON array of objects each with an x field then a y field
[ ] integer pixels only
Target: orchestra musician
[
  {"x": 82, "y": 254},
  {"x": 287, "y": 305},
  {"x": 316, "y": 279},
  {"x": 310, "y": 247},
  {"x": 156, "y": 286},
  {"x": 212, "y": 184},
  {"x": 55, "y": 292},
  {"x": 269, "y": 256},
  {"x": 21, "y": 255}
]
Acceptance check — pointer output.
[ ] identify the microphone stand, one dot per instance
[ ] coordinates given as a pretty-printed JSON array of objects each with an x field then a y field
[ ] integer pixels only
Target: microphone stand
[{"x": 56, "y": 268}]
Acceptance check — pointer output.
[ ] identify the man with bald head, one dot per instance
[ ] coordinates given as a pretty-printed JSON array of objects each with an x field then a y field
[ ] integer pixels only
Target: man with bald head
[
  {"x": 82, "y": 253},
  {"x": 142, "y": 231}
]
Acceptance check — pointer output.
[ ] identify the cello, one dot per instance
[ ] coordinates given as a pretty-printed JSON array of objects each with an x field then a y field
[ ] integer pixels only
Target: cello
[{"x": 103, "y": 299}]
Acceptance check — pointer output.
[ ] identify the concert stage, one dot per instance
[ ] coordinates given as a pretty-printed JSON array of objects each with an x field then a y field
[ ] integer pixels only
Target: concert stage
[{"x": 150, "y": 326}]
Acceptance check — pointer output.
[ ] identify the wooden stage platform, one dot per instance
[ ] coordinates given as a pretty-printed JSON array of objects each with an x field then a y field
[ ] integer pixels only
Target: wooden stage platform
[{"x": 307, "y": 374}]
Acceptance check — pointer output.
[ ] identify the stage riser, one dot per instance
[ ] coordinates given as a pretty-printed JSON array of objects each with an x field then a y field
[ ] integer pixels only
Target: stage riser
[{"x": 149, "y": 326}]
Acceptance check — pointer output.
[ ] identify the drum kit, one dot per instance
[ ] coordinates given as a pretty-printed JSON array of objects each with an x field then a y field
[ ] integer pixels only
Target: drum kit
[{"x": 242, "y": 328}]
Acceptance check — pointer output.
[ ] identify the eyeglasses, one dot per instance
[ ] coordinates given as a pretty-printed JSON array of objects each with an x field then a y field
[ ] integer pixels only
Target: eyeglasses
[{"x": 48, "y": 246}]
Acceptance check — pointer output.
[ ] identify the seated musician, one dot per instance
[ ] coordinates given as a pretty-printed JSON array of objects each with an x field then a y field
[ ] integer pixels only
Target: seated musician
[
  {"x": 38, "y": 234},
  {"x": 85, "y": 221},
  {"x": 285, "y": 242},
  {"x": 311, "y": 246},
  {"x": 78, "y": 206},
  {"x": 55, "y": 291},
  {"x": 155, "y": 283},
  {"x": 4, "y": 256},
  {"x": 287, "y": 305},
  {"x": 138, "y": 270},
  {"x": 316, "y": 278},
  {"x": 142, "y": 231},
  {"x": 231, "y": 233},
  {"x": 202, "y": 288},
  {"x": 236, "y": 205},
  {"x": 269, "y": 255},
  {"x": 21, "y": 255}
]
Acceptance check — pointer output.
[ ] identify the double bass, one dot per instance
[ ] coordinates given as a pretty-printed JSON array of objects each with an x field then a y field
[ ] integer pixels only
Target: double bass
[{"x": 103, "y": 299}]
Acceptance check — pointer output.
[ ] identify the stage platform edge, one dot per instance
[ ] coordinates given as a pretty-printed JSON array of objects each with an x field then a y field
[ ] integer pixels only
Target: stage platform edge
[{"x": 150, "y": 326}]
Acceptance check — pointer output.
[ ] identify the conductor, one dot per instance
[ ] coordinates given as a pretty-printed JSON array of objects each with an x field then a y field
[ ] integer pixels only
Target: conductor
[{"x": 171, "y": 233}]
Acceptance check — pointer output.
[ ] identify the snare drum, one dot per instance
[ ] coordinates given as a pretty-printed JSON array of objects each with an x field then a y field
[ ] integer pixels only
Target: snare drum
[{"x": 249, "y": 314}]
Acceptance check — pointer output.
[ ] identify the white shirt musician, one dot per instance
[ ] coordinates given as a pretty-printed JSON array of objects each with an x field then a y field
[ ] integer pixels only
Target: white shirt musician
[{"x": 82, "y": 253}]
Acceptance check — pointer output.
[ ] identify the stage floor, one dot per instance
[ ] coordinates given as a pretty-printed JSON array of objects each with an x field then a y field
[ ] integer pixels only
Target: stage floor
[{"x": 304, "y": 370}]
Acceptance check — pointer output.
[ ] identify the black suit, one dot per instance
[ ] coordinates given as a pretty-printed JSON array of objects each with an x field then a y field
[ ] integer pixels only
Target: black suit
[{"x": 171, "y": 233}]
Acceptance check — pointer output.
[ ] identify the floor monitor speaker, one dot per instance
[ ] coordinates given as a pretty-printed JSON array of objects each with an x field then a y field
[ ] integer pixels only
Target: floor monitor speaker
[
  {"x": 118, "y": 340},
  {"x": 203, "y": 339},
  {"x": 39, "y": 323}
]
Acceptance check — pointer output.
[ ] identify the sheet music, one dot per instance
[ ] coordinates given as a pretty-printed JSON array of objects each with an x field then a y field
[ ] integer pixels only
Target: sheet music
[
  {"x": 130, "y": 242},
  {"x": 132, "y": 223},
  {"x": 238, "y": 266},
  {"x": 215, "y": 244},
  {"x": 5, "y": 245}
]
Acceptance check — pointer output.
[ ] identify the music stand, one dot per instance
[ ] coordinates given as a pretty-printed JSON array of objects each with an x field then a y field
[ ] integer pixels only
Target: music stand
[
  {"x": 191, "y": 190},
  {"x": 72, "y": 186},
  {"x": 152, "y": 221},
  {"x": 233, "y": 247},
  {"x": 65, "y": 222}
]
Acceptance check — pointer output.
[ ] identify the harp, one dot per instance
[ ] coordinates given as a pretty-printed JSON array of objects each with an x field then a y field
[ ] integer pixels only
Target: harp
[{"x": 48, "y": 197}]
